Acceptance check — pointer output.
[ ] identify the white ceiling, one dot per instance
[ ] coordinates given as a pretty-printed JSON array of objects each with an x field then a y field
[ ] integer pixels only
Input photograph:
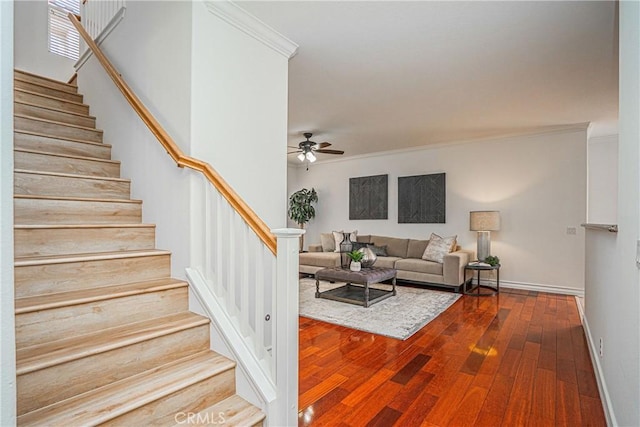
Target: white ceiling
[{"x": 374, "y": 76}]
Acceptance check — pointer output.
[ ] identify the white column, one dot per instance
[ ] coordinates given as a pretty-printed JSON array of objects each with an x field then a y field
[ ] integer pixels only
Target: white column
[
  {"x": 7, "y": 338},
  {"x": 286, "y": 317}
]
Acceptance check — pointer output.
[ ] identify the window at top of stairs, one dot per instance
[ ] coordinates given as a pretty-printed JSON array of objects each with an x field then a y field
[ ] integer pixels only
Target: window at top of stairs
[{"x": 63, "y": 37}]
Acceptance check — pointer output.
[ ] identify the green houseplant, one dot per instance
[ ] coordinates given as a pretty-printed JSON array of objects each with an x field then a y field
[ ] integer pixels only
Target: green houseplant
[
  {"x": 356, "y": 257},
  {"x": 301, "y": 209},
  {"x": 492, "y": 260}
]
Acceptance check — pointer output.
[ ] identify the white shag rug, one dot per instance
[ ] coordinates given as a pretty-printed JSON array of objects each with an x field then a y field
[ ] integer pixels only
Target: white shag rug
[{"x": 399, "y": 316}]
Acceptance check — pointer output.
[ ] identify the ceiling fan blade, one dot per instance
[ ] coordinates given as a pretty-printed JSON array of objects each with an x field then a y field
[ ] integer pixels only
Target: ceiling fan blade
[
  {"x": 293, "y": 152},
  {"x": 329, "y": 151},
  {"x": 324, "y": 145}
]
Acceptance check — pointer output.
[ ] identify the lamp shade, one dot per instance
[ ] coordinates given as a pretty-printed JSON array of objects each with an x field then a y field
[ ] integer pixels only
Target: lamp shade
[{"x": 484, "y": 221}]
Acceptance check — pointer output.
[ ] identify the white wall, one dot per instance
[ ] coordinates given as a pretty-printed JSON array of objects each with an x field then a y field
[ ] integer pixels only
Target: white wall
[
  {"x": 239, "y": 112},
  {"x": 7, "y": 338},
  {"x": 151, "y": 48},
  {"x": 602, "y": 153},
  {"x": 31, "y": 42},
  {"x": 612, "y": 294},
  {"x": 537, "y": 182}
]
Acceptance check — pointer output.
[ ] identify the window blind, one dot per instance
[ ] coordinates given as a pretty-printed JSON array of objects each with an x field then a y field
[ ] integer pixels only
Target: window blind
[{"x": 63, "y": 37}]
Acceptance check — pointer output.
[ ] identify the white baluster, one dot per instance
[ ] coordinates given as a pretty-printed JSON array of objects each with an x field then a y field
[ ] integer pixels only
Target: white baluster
[
  {"x": 245, "y": 280},
  {"x": 259, "y": 313},
  {"x": 208, "y": 227}
]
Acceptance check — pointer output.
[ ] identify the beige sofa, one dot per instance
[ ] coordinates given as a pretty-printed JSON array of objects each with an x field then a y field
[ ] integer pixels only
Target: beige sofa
[{"x": 405, "y": 255}]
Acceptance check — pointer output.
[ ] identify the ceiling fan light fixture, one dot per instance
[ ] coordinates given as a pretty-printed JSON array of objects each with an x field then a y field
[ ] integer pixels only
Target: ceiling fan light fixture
[
  {"x": 311, "y": 157},
  {"x": 301, "y": 157}
]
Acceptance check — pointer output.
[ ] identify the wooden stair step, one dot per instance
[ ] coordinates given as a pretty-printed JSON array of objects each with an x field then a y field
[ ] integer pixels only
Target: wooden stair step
[
  {"x": 63, "y": 273},
  {"x": 52, "y": 144},
  {"x": 56, "y": 129},
  {"x": 29, "y": 97},
  {"x": 70, "y": 185},
  {"x": 30, "y": 209},
  {"x": 54, "y": 316},
  {"x": 38, "y": 357},
  {"x": 53, "y": 114},
  {"x": 60, "y": 239},
  {"x": 65, "y": 163},
  {"x": 233, "y": 411},
  {"x": 54, "y": 371},
  {"x": 159, "y": 392},
  {"x": 46, "y": 90},
  {"x": 44, "y": 81},
  {"x": 87, "y": 295}
]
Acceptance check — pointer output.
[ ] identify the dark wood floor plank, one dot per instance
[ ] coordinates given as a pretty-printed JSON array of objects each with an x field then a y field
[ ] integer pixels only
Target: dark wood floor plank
[
  {"x": 385, "y": 418},
  {"x": 517, "y": 358},
  {"x": 410, "y": 369}
]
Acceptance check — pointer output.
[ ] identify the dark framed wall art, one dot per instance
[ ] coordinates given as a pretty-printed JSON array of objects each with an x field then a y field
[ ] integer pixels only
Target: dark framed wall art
[
  {"x": 422, "y": 199},
  {"x": 369, "y": 197}
]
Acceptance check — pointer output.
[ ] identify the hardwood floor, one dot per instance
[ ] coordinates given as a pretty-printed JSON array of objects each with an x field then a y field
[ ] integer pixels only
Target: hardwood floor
[{"x": 516, "y": 359}]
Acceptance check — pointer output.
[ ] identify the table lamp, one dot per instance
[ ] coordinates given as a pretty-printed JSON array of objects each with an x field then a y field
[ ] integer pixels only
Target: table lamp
[{"x": 484, "y": 222}]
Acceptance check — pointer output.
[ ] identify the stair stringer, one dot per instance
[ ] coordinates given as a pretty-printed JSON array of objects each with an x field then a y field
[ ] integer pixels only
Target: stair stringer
[{"x": 252, "y": 383}]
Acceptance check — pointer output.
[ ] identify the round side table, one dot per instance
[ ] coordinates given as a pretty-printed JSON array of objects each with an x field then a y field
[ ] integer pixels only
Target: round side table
[{"x": 477, "y": 288}]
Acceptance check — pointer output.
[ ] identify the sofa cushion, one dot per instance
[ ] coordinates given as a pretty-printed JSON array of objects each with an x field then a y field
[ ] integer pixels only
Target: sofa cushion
[
  {"x": 320, "y": 259},
  {"x": 438, "y": 247},
  {"x": 328, "y": 244},
  {"x": 395, "y": 247},
  {"x": 338, "y": 236},
  {"x": 364, "y": 238},
  {"x": 419, "y": 265},
  {"x": 386, "y": 261},
  {"x": 416, "y": 248}
]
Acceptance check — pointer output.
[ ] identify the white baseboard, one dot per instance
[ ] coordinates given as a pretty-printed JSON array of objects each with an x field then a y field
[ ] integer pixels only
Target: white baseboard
[
  {"x": 607, "y": 405},
  {"x": 552, "y": 289}
]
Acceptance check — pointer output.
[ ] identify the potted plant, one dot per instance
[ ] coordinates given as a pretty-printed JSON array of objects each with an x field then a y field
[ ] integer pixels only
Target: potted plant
[
  {"x": 356, "y": 257},
  {"x": 492, "y": 260},
  {"x": 301, "y": 209}
]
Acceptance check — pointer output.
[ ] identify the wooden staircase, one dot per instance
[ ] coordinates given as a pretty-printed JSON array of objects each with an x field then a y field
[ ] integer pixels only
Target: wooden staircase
[{"x": 103, "y": 333}]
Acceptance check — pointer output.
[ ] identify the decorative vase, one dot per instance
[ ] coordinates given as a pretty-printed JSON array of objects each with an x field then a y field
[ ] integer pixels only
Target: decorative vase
[
  {"x": 355, "y": 266},
  {"x": 369, "y": 257},
  {"x": 345, "y": 248}
]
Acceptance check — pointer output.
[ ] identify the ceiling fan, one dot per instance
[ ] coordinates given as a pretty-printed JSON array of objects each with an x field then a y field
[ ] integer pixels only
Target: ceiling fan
[{"x": 307, "y": 149}]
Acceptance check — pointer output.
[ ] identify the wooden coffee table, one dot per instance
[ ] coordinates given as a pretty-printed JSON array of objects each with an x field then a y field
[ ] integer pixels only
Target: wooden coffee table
[{"x": 357, "y": 289}]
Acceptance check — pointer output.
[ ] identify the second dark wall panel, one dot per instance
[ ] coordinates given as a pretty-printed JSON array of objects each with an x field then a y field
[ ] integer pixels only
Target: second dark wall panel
[
  {"x": 368, "y": 197},
  {"x": 422, "y": 199}
]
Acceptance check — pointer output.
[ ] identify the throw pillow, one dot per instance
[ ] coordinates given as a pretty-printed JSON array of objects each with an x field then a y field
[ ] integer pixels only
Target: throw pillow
[
  {"x": 328, "y": 244},
  {"x": 438, "y": 247},
  {"x": 338, "y": 236},
  {"x": 358, "y": 245},
  {"x": 379, "y": 250}
]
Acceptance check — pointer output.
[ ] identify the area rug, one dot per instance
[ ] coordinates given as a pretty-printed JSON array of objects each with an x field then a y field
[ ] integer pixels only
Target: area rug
[{"x": 397, "y": 317}]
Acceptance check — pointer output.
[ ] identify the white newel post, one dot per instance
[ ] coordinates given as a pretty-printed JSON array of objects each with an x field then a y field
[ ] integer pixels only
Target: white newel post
[{"x": 286, "y": 317}]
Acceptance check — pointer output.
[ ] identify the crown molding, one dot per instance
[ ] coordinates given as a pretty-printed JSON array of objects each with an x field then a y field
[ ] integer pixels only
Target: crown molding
[
  {"x": 244, "y": 21},
  {"x": 558, "y": 130}
]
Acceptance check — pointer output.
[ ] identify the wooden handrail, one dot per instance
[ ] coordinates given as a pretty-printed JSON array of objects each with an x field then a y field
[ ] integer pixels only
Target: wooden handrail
[{"x": 239, "y": 205}]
